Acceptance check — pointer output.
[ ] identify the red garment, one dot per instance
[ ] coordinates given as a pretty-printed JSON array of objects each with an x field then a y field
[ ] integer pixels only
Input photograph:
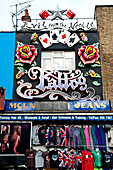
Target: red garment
[{"x": 87, "y": 160}]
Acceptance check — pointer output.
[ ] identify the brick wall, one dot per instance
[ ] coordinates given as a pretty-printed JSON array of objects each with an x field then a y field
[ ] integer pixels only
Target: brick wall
[{"x": 104, "y": 16}]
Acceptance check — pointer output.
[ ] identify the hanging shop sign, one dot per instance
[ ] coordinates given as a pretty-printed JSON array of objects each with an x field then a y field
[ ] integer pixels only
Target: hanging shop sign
[
  {"x": 56, "y": 117},
  {"x": 88, "y": 105},
  {"x": 20, "y": 106}
]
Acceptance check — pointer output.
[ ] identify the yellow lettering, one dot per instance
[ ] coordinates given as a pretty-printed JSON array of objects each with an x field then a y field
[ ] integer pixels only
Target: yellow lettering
[
  {"x": 90, "y": 105},
  {"x": 103, "y": 105},
  {"x": 96, "y": 105},
  {"x": 83, "y": 105},
  {"x": 77, "y": 105},
  {"x": 33, "y": 106},
  {"x": 24, "y": 106},
  {"x": 69, "y": 104},
  {"x": 12, "y": 105},
  {"x": 19, "y": 105}
]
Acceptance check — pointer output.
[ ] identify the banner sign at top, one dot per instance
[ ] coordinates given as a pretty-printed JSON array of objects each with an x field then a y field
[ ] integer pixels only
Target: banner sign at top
[{"x": 73, "y": 25}]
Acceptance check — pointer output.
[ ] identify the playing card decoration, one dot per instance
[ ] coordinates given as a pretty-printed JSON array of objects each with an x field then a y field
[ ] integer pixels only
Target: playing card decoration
[
  {"x": 70, "y": 14},
  {"x": 57, "y": 36},
  {"x": 45, "y": 40},
  {"x": 73, "y": 39},
  {"x": 88, "y": 54},
  {"x": 54, "y": 36},
  {"x": 64, "y": 35}
]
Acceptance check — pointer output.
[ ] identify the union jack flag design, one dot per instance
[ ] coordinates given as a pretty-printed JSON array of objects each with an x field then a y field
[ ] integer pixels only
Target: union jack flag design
[
  {"x": 46, "y": 136},
  {"x": 50, "y": 135},
  {"x": 47, "y": 158},
  {"x": 61, "y": 159},
  {"x": 63, "y": 135},
  {"x": 66, "y": 159},
  {"x": 71, "y": 162},
  {"x": 79, "y": 158},
  {"x": 72, "y": 159}
]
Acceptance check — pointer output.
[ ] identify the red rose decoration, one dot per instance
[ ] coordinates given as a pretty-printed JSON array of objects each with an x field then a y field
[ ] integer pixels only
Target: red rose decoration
[
  {"x": 26, "y": 53},
  {"x": 88, "y": 54}
]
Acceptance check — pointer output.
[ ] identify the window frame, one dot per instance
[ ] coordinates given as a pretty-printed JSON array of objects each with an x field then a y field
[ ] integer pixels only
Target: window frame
[{"x": 64, "y": 56}]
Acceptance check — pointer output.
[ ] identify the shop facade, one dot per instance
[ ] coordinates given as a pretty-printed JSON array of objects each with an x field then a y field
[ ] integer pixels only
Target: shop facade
[{"x": 59, "y": 113}]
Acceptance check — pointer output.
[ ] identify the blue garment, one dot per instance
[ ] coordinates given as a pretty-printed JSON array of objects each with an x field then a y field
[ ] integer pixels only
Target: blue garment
[
  {"x": 97, "y": 131},
  {"x": 103, "y": 137},
  {"x": 94, "y": 137}
]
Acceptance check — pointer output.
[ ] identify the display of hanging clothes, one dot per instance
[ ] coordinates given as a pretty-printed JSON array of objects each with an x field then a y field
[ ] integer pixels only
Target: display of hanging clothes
[
  {"x": 64, "y": 135},
  {"x": 58, "y": 139},
  {"x": 90, "y": 138},
  {"x": 71, "y": 162},
  {"x": 30, "y": 159},
  {"x": 46, "y": 159},
  {"x": 97, "y": 131},
  {"x": 87, "y": 160},
  {"x": 107, "y": 159},
  {"x": 87, "y": 136},
  {"x": 66, "y": 159},
  {"x": 76, "y": 136},
  {"x": 78, "y": 159},
  {"x": 94, "y": 136},
  {"x": 35, "y": 135},
  {"x": 51, "y": 135},
  {"x": 54, "y": 159},
  {"x": 97, "y": 159},
  {"x": 39, "y": 160},
  {"x": 61, "y": 158},
  {"x": 103, "y": 137},
  {"x": 110, "y": 136},
  {"x": 70, "y": 143},
  {"x": 83, "y": 138},
  {"x": 42, "y": 132}
]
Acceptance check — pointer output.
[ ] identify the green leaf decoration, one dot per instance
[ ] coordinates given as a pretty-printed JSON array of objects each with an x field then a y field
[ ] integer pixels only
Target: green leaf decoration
[
  {"x": 96, "y": 45},
  {"x": 19, "y": 44},
  {"x": 18, "y": 64},
  {"x": 35, "y": 42},
  {"x": 26, "y": 71},
  {"x": 81, "y": 42},
  {"x": 96, "y": 83},
  {"x": 80, "y": 64},
  {"x": 96, "y": 64},
  {"x": 97, "y": 75},
  {"x": 33, "y": 64}
]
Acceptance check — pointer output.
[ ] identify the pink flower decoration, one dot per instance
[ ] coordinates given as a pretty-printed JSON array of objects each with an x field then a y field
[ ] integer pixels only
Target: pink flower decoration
[
  {"x": 88, "y": 54},
  {"x": 26, "y": 53}
]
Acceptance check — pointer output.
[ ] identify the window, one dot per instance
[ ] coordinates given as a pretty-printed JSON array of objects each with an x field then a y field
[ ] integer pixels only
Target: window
[{"x": 58, "y": 60}]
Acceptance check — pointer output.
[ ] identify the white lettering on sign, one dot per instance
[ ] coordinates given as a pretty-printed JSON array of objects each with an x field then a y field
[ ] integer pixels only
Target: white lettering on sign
[{"x": 51, "y": 83}]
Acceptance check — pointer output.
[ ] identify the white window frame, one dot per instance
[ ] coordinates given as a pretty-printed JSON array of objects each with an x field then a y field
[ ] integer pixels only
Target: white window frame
[{"x": 64, "y": 56}]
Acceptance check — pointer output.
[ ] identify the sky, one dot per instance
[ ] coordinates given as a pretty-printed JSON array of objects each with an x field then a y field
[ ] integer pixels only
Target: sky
[{"x": 82, "y": 9}]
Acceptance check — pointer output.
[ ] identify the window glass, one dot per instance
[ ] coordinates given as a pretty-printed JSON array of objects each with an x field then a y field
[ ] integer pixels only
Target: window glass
[
  {"x": 47, "y": 64},
  {"x": 69, "y": 64},
  {"x": 58, "y": 64}
]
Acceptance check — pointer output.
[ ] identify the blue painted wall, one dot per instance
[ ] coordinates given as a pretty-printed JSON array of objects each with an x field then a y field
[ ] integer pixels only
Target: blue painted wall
[{"x": 7, "y": 50}]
